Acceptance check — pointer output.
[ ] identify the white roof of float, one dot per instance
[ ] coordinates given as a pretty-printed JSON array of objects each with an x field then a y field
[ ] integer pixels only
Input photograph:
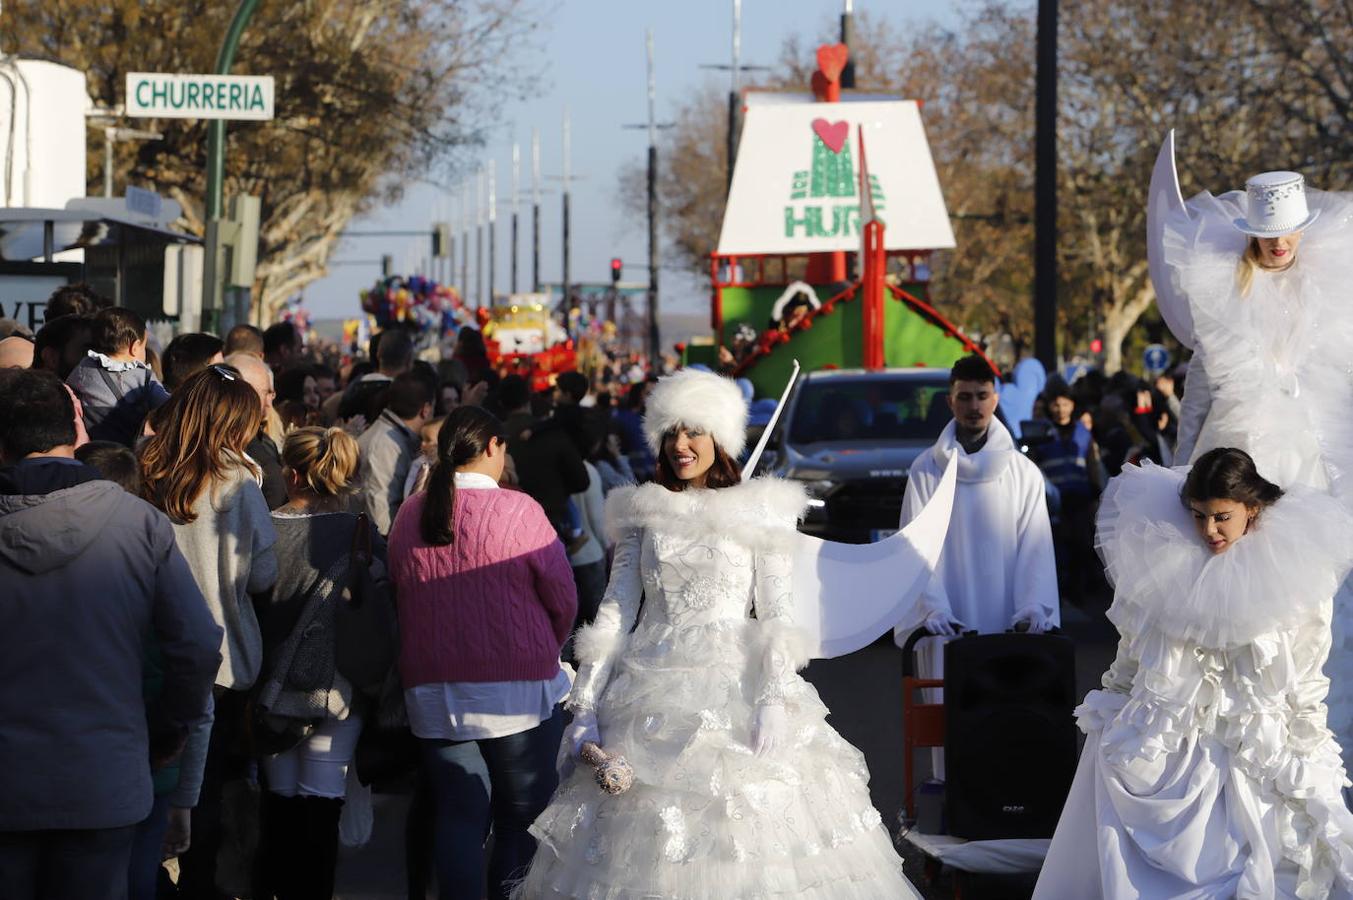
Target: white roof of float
[{"x": 796, "y": 187}]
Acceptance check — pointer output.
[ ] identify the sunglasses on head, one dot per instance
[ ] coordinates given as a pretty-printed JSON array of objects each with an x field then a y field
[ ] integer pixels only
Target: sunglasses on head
[{"x": 229, "y": 373}]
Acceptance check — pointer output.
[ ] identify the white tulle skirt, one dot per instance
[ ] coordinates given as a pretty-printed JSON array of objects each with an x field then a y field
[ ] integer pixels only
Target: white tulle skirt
[{"x": 706, "y": 819}]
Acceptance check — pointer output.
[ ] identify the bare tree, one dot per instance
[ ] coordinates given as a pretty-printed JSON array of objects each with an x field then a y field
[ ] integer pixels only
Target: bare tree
[
  {"x": 1263, "y": 84},
  {"x": 371, "y": 94}
]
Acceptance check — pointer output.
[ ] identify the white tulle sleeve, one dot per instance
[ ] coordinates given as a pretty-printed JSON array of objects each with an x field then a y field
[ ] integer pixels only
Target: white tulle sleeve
[
  {"x": 599, "y": 644},
  {"x": 1195, "y": 406},
  {"x": 784, "y": 646}
]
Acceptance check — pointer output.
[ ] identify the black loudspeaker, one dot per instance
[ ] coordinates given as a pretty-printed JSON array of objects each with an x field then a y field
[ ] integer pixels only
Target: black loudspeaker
[{"x": 1010, "y": 736}]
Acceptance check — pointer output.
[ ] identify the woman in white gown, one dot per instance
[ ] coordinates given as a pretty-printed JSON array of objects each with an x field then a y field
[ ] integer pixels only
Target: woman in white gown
[
  {"x": 1208, "y": 770},
  {"x": 1259, "y": 283},
  {"x": 741, "y": 789}
]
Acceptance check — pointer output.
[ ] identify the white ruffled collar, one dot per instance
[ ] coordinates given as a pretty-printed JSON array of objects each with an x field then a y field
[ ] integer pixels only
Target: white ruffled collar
[
  {"x": 1275, "y": 578},
  {"x": 987, "y": 463},
  {"x": 759, "y": 514},
  {"x": 116, "y": 365}
]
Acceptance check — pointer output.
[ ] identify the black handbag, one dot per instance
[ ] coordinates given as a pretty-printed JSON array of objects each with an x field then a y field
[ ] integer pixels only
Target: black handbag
[
  {"x": 366, "y": 631},
  {"x": 270, "y": 735}
]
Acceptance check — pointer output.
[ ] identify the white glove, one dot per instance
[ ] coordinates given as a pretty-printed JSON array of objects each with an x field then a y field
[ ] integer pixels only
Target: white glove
[
  {"x": 582, "y": 729},
  {"x": 942, "y": 623},
  {"x": 1031, "y": 621},
  {"x": 770, "y": 729}
]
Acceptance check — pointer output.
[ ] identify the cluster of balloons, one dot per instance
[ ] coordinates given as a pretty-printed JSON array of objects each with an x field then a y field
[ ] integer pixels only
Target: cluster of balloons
[{"x": 416, "y": 302}]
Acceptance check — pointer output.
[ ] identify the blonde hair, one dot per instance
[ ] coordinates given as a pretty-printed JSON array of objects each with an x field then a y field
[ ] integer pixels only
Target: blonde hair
[
  {"x": 1249, "y": 262},
  {"x": 202, "y": 432},
  {"x": 325, "y": 459}
]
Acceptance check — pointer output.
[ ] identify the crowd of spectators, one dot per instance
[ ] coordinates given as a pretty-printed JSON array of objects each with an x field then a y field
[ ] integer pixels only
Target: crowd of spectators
[{"x": 192, "y": 529}]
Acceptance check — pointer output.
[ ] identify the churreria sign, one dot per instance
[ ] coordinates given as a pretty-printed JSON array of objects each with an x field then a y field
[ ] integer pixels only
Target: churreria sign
[{"x": 151, "y": 95}]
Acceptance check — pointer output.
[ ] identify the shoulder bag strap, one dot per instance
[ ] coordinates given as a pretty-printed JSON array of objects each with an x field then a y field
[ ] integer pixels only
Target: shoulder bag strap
[{"x": 359, "y": 555}]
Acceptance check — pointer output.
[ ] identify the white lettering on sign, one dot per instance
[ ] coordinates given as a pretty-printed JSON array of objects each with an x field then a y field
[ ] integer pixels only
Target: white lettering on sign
[{"x": 160, "y": 96}]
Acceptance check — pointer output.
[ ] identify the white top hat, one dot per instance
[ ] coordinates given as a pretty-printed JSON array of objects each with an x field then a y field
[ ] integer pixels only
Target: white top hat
[{"x": 1277, "y": 205}]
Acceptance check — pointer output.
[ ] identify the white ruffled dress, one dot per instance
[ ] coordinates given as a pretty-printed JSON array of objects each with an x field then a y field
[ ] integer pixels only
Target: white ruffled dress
[
  {"x": 1208, "y": 770},
  {"x": 1273, "y": 372},
  {"x": 675, "y": 682}
]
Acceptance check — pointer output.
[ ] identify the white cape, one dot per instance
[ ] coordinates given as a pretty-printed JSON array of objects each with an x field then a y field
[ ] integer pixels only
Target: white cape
[{"x": 849, "y": 594}]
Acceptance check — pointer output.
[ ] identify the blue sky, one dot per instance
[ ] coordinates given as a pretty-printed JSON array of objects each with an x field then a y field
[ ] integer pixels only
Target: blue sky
[{"x": 594, "y": 61}]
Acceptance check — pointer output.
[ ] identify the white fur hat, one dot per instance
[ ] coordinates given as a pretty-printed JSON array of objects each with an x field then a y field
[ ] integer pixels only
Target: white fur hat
[{"x": 701, "y": 400}]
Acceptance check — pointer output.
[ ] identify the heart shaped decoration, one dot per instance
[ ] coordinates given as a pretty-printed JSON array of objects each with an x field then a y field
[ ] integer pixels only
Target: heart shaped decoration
[
  {"x": 831, "y": 59},
  {"x": 833, "y": 134}
]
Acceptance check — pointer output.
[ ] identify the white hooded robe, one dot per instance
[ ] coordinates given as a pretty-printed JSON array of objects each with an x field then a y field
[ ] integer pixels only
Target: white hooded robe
[{"x": 998, "y": 563}]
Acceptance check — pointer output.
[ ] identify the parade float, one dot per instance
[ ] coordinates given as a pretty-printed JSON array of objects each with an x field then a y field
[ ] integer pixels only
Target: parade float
[
  {"x": 819, "y": 177},
  {"x": 520, "y": 337}
]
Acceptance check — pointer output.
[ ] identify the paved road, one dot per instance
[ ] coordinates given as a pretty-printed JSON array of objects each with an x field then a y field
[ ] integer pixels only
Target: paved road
[{"x": 862, "y": 691}]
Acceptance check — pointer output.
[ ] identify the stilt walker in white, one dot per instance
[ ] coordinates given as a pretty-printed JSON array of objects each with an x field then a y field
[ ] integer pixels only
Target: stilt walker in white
[
  {"x": 997, "y": 571},
  {"x": 1258, "y": 282},
  {"x": 1208, "y": 770}
]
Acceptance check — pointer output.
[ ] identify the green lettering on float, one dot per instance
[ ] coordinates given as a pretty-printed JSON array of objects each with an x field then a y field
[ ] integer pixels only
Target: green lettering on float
[{"x": 256, "y": 98}]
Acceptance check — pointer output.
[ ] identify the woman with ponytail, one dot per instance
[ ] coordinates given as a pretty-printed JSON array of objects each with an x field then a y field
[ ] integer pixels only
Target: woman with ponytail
[
  {"x": 302, "y": 698},
  {"x": 486, "y": 601}
]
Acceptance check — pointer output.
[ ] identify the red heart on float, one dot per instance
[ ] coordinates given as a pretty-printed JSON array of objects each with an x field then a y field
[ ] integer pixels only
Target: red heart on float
[
  {"x": 831, "y": 59},
  {"x": 833, "y": 134}
]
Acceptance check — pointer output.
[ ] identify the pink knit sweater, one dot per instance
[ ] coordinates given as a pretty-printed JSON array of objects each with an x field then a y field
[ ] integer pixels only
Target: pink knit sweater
[{"x": 495, "y": 605}]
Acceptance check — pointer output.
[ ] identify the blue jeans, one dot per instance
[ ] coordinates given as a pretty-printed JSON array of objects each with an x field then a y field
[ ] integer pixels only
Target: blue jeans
[
  {"x": 147, "y": 851},
  {"x": 521, "y": 778},
  {"x": 88, "y": 864}
]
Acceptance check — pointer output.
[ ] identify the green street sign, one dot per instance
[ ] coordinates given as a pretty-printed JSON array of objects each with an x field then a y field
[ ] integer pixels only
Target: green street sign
[{"x": 159, "y": 96}]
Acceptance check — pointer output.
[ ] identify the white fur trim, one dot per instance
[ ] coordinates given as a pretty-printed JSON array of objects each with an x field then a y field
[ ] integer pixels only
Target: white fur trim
[
  {"x": 759, "y": 514},
  {"x": 697, "y": 400},
  {"x": 596, "y": 642},
  {"x": 796, "y": 288}
]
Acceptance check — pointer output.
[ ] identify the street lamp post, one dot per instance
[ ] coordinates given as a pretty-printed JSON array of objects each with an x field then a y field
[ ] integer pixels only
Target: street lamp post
[
  {"x": 212, "y": 275},
  {"x": 652, "y": 127},
  {"x": 1045, "y": 187},
  {"x": 516, "y": 187},
  {"x": 535, "y": 210}
]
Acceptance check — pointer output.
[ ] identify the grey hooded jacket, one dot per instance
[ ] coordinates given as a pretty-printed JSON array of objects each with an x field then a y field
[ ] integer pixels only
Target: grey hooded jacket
[{"x": 86, "y": 573}]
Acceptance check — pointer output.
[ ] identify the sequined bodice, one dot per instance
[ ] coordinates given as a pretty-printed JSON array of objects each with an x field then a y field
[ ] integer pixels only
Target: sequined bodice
[{"x": 694, "y": 582}]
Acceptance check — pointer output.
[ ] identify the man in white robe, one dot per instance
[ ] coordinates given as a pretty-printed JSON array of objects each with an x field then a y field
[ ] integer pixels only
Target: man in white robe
[{"x": 997, "y": 571}]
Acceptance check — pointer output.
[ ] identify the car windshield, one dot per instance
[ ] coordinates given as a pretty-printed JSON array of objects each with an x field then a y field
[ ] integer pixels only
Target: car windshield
[{"x": 871, "y": 410}]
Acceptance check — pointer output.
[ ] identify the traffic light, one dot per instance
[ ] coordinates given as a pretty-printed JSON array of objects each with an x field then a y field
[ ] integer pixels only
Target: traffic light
[
  {"x": 1096, "y": 346},
  {"x": 441, "y": 240},
  {"x": 616, "y": 267}
]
